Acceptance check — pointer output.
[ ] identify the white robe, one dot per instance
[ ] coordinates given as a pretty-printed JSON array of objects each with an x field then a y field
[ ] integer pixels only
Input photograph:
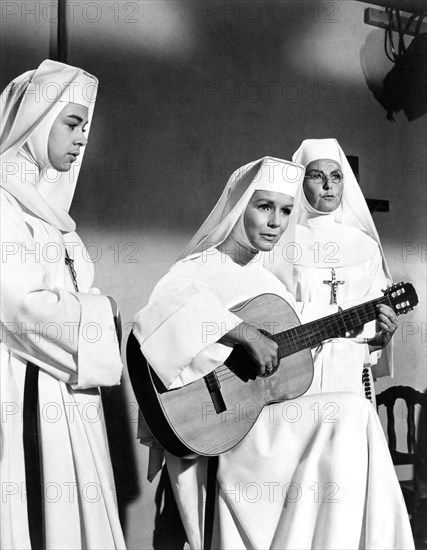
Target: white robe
[
  {"x": 71, "y": 337},
  {"x": 326, "y": 453},
  {"x": 322, "y": 245}
]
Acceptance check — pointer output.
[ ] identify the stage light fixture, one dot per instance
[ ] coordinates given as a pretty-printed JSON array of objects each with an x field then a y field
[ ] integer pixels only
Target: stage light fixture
[{"x": 405, "y": 86}]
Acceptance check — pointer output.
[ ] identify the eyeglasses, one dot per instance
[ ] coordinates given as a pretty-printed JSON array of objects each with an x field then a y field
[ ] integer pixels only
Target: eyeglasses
[{"x": 320, "y": 177}]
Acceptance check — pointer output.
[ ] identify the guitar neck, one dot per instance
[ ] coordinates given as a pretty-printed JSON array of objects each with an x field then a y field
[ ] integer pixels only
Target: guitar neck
[{"x": 311, "y": 334}]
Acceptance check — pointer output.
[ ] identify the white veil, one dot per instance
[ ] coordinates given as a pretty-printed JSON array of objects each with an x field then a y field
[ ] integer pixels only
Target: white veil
[
  {"x": 29, "y": 106},
  {"x": 353, "y": 210},
  {"x": 267, "y": 173}
]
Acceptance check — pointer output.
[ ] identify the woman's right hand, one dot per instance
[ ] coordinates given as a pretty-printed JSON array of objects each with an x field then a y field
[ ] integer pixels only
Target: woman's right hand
[{"x": 261, "y": 349}]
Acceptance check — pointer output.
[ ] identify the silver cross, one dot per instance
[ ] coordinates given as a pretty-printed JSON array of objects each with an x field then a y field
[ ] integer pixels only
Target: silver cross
[{"x": 333, "y": 283}]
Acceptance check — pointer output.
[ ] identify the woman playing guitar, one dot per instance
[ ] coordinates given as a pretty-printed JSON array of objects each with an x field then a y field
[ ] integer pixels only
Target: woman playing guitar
[{"x": 313, "y": 472}]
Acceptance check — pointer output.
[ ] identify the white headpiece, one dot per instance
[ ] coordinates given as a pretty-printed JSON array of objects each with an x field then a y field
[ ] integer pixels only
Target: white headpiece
[
  {"x": 28, "y": 108},
  {"x": 352, "y": 211},
  {"x": 268, "y": 174}
]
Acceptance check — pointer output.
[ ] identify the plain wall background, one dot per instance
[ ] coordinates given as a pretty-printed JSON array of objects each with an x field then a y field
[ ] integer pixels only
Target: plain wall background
[{"x": 191, "y": 90}]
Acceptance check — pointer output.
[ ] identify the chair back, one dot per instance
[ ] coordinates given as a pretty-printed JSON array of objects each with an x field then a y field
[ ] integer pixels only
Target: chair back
[{"x": 412, "y": 398}]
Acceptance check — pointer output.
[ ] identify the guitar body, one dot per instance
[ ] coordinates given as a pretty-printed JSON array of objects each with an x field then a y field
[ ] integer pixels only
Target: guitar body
[
  {"x": 185, "y": 420},
  {"x": 212, "y": 415}
]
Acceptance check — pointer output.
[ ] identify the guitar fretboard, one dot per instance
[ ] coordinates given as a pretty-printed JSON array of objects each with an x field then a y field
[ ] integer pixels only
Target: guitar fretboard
[{"x": 311, "y": 334}]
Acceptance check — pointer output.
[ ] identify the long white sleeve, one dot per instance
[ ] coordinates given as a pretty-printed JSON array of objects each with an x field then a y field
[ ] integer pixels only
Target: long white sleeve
[
  {"x": 183, "y": 319},
  {"x": 68, "y": 334}
]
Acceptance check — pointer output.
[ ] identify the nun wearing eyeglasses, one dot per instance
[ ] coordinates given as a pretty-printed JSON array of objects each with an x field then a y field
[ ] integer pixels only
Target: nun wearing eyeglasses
[
  {"x": 331, "y": 256},
  {"x": 311, "y": 473}
]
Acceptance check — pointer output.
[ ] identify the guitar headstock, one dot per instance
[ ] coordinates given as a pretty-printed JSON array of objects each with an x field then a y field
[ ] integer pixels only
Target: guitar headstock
[{"x": 402, "y": 296}]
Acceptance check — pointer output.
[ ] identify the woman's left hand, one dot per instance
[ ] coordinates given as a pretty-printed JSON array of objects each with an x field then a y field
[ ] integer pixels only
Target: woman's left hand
[{"x": 386, "y": 327}]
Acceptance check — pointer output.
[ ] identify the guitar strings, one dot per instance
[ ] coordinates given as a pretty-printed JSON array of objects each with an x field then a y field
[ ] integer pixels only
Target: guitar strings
[{"x": 305, "y": 336}]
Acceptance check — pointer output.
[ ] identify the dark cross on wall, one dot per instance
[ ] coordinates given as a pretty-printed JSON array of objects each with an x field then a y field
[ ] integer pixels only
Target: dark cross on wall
[{"x": 374, "y": 205}]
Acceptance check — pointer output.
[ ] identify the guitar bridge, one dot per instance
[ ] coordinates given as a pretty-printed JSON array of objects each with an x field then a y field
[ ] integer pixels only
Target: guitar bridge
[{"x": 214, "y": 388}]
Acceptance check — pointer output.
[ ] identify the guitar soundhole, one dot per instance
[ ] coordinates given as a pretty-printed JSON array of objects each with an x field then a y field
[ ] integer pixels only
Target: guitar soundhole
[{"x": 267, "y": 374}]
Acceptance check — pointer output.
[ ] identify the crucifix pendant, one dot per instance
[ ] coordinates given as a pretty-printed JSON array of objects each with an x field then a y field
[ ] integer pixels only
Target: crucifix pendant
[
  {"x": 333, "y": 283},
  {"x": 70, "y": 263}
]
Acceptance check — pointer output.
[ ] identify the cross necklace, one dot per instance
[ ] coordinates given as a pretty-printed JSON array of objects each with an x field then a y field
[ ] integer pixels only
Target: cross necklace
[
  {"x": 333, "y": 283},
  {"x": 70, "y": 263}
]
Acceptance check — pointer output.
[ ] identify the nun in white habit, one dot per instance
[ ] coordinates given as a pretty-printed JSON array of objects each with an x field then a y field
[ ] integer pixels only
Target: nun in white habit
[
  {"x": 313, "y": 473},
  {"x": 331, "y": 256},
  {"x": 58, "y": 341}
]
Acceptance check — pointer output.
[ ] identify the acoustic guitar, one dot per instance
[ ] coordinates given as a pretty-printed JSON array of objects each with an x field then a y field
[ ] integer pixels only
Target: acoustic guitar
[{"x": 213, "y": 414}]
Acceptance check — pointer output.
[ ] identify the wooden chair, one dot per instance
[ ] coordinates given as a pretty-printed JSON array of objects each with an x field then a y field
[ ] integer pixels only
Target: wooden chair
[{"x": 414, "y": 490}]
